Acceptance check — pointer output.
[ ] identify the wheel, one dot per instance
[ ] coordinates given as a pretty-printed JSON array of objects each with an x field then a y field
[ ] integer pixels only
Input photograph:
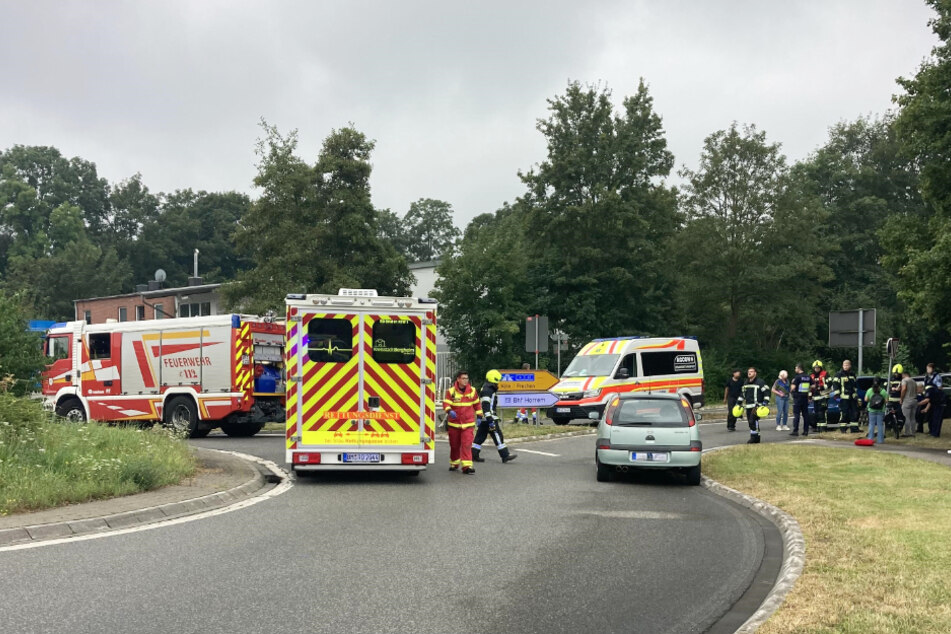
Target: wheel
[
  {"x": 605, "y": 474},
  {"x": 201, "y": 432},
  {"x": 560, "y": 420},
  {"x": 693, "y": 475},
  {"x": 238, "y": 430},
  {"x": 182, "y": 415},
  {"x": 72, "y": 410}
]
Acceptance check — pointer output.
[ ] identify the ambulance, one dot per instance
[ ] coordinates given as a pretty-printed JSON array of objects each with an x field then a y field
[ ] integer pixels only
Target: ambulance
[
  {"x": 361, "y": 382},
  {"x": 605, "y": 368},
  {"x": 192, "y": 373}
]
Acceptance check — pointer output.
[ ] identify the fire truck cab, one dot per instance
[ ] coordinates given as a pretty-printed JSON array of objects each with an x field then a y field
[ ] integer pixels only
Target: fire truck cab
[{"x": 361, "y": 375}]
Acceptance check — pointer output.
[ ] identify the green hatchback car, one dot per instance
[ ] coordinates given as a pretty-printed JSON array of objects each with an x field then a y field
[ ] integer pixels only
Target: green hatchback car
[{"x": 648, "y": 431}]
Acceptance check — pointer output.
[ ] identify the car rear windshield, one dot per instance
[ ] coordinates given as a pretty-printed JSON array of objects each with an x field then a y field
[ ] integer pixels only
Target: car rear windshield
[
  {"x": 592, "y": 365},
  {"x": 651, "y": 413}
]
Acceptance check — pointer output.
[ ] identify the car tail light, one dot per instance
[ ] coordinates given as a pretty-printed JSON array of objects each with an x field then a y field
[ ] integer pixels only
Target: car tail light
[
  {"x": 415, "y": 458},
  {"x": 609, "y": 414},
  {"x": 691, "y": 418},
  {"x": 604, "y": 445},
  {"x": 302, "y": 457}
]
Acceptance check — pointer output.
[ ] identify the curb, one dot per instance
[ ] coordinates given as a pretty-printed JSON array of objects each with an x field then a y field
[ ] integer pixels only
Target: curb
[
  {"x": 147, "y": 515},
  {"x": 511, "y": 441}
]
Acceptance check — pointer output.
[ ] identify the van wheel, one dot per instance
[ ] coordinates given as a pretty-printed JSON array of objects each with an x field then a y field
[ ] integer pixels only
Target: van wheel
[
  {"x": 693, "y": 475},
  {"x": 605, "y": 474},
  {"x": 560, "y": 420},
  {"x": 72, "y": 410},
  {"x": 181, "y": 415},
  {"x": 237, "y": 430}
]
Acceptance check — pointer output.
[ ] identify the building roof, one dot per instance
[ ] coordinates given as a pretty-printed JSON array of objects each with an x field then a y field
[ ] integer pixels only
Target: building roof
[{"x": 162, "y": 292}]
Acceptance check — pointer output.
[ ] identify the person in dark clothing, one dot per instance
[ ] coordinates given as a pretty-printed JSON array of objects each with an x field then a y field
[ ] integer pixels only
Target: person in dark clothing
[
  {"x": 893, "y": 408},
  {"x": 844, "y": 386},
  {"x": 755, "y": 393},
  {"x": 933, "y": 400},
  {"x": 731, "y": 392},
  {"x": 800, "y": 387},
  {"x": 490, "y": 424},
  {"x": 820, "y": 396}
]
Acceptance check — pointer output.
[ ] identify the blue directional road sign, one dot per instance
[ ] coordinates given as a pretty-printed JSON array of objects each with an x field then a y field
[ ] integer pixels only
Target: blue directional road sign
[{"x": 526, "y": 399}]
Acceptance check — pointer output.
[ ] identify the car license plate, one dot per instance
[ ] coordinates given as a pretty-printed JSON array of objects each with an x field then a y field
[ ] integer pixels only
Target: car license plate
[
  {"x": 361, "y": 457},
  {"x": 650, "y": 456},
  {"x": 563, "y": 410}
]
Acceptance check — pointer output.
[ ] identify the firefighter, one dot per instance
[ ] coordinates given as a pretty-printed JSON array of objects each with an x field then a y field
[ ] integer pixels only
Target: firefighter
[
  {"x": 755, "y": 394},
  {"x": 820, "y": 396},
  {"x": 462, "y": 407},
  {"x": 893, "y": 408},
  {"x": 800, "y": 386},
  {"x": 843, "y": 385},
  {"x": 490, "y": 424}
]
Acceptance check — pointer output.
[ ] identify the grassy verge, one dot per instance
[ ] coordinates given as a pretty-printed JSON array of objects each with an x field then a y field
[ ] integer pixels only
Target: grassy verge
[
  {"x": 875, "y": 525},
  {"x": 46, "y": 462},
  {"x": 925, "y": 440}
]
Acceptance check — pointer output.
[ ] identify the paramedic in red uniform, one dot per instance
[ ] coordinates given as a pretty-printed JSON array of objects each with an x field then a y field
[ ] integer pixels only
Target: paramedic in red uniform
[{"x": 463, "y": 406}]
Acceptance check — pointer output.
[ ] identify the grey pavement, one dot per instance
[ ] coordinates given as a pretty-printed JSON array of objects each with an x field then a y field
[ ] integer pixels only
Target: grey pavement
[{"x": 222, "y": 479}]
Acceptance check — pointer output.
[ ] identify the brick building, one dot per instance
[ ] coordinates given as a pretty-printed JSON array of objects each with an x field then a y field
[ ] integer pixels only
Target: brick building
[{"x": 150, "y": 301}]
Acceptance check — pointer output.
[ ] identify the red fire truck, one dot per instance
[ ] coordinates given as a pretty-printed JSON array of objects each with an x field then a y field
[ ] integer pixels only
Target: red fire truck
[{"x": 192, "y": 373}]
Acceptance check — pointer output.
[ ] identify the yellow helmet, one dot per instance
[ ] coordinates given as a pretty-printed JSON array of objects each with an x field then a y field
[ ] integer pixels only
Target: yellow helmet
[
  {"x": 897, "y": 369},
  {"x": 493, "y": 376},
  {"x": 737, "y": 411},
  {"x": 817, "y": 363},
  {"x": 762, "y": 411}
]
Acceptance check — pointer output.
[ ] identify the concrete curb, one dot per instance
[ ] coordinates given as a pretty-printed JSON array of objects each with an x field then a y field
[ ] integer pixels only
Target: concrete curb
[
  {"x": 794, "y": 549},
  {"x": 145, "y": 515},
  {"x": 512, "y": 441}
]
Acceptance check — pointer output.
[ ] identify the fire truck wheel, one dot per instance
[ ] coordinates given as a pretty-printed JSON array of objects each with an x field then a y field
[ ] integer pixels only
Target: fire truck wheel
[
  {"x": 182, "y": 415},
  {"x": 201, "y": 433},
  {"x": 72, "y": 410},
  {"x": 237, "y": 430}
]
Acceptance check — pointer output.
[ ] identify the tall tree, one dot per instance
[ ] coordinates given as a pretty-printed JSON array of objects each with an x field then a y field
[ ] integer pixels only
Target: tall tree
[
  {"x": 313, "y": 229},
  {"x": 483, "y": 291},
  {"x": 428, "y": 230},
  {"x": 599, "y": 216},
  {"x": 20, "y": 352},
  {"x": 749, "y": 253},
  {"x": 918, "y": 246}
]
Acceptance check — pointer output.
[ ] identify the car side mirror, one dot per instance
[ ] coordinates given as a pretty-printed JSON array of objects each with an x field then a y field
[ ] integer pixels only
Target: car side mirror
[
  {"x": 697, "y": 416},
  {"x": 622, "y": 374},
  {"x": 594, "y": 415}
]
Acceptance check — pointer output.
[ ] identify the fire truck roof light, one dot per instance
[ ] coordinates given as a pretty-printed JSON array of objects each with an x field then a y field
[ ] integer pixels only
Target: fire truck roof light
[
  {"x": 296, "y": 296},
  {"x": 236, "y": 321}
]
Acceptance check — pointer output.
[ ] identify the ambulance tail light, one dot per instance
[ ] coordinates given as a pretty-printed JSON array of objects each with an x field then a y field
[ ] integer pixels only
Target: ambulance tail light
[
  {"x": 415, "y": 458},
  {"x": 303, "y": 457}
]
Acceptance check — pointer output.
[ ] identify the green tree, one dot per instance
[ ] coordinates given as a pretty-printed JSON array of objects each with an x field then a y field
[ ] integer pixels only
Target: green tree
[
  {"x": 313, "y": 229},
  {"x": 20, "y": 350},
  {"x": 918, "y": 245},
  {"x": 482, "y": 291},
  {"x": 428, "y": 230},
  {"x": 599, "y": 217},
  {"x": 750, "y": 255}
]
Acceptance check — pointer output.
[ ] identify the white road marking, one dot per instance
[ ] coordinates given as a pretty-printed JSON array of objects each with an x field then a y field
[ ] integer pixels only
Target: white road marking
[
  {"x": 635, "y": 515},
  {"x": 283, "y": 487},
  {"x": 540, "y": 453}
]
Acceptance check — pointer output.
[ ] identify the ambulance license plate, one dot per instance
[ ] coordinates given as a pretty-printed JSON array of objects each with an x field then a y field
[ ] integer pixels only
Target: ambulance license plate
[
  {"x": 650, "y": 456},
  {"x": 361, "y": 457},
  {"x": 563, "y": 410}
]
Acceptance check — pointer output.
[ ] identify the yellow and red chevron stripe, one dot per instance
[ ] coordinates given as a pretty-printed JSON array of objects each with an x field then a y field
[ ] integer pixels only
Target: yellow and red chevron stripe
[{"x": 243, "y": 373}]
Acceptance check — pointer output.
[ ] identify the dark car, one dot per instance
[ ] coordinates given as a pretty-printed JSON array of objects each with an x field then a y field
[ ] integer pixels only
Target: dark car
[{"x": 945, "y": 387}]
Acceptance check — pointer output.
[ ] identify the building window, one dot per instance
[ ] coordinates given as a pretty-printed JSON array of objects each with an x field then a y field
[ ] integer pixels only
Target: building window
[
  {"x": 87, "y": 315},
  {"x": 139, "y": 313},
  {"x": 194, "y": 310},
  {"x": 159, "y": 311},
  {"x": 123, "y": 314}
]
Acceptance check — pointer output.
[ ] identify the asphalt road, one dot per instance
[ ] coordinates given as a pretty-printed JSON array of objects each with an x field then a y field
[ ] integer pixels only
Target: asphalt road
[{"x": 533, "y": 546}]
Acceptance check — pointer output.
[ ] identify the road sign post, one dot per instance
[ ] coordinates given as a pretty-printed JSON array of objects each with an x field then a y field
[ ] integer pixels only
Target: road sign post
[
  {"x": 560, "y": 338},
  {"x": 536, "y": 335}
]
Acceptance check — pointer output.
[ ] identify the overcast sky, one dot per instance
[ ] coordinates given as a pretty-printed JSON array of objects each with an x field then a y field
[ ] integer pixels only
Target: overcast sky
[{"x": 450, "y": 91}]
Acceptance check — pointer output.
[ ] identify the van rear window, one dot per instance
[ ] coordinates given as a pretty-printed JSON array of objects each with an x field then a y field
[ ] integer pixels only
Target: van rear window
[
  {"x": 665, "y": 362},
  {"x": 394, "y": 341},
  {"x": 329, "y": 340}
]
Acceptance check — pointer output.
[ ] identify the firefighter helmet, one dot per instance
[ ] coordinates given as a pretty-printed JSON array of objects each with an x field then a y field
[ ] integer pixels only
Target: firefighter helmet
[
  {"x": 897, "y": 369},
  {"x": 737, "y": 411},
  {"x": 817, "y": 363},
  {"x": 493, "y": 376},
  {"x": 762, "y": 411}
]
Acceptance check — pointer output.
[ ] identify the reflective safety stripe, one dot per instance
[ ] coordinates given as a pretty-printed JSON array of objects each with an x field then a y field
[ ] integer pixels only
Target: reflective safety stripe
[{"x": 475, "y": 446}]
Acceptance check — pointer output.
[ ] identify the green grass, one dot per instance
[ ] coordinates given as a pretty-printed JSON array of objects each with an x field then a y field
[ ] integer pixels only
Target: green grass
[
  {"x": 875, "y": 524},
  {"x": 46, "y": 462}
]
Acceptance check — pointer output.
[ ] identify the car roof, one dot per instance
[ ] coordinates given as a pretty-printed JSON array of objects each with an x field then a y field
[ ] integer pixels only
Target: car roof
[{"x": 667, "y": 396}]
